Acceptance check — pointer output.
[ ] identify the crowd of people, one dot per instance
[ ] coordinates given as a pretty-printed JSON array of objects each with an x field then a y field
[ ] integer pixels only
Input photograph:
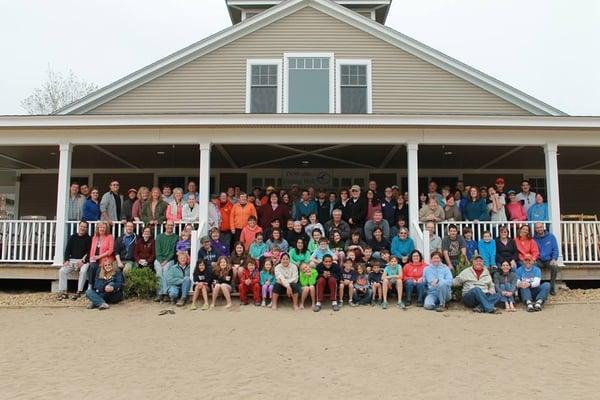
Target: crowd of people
[{"x": 306, "y": 244}]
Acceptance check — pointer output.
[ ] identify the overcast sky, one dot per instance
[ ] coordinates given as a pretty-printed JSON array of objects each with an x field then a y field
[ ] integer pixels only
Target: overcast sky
[{"x": 549, "y": 49}]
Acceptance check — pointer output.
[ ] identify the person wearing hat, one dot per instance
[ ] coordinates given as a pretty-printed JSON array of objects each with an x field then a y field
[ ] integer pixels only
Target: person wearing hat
[
  {"x": 357, "y": 208},
  {"x": 500, "y": 184},
  {"x": 532, "y": 291},
  {"x": 206, "y": 252},
  {"x": 128, "y": 204},
  {"x": 478, "y": 291}
]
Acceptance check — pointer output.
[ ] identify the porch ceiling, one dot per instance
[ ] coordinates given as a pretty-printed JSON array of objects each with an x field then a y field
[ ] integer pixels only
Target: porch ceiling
[{"x": 297, "y": 156}]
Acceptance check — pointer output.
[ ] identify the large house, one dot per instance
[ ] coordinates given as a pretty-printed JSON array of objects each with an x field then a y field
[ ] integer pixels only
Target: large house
[{"x": 308, "y": 92}]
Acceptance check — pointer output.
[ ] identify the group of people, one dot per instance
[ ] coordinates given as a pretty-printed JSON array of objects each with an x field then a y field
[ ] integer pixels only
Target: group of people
[{"x": 306, "y": 244}]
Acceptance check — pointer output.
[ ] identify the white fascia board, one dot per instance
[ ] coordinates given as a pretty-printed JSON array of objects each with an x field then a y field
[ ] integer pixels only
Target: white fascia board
[{"x": 297, "y": 120}]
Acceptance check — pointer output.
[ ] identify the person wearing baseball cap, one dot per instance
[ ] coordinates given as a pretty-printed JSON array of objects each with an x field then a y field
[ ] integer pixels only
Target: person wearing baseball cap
[
  {"x": 357, "y": 208},
  {"x": 127, "y": 208},
  {"x": 529, "y": 283},
  {"x": 478, "y": 291},
  {"x": 499, "y": 185}
]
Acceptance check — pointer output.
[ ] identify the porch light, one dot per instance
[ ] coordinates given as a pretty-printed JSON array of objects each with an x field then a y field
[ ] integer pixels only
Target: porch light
[
  {"x": 305, "y": 162},
  {"x": 160, "y": 153}
]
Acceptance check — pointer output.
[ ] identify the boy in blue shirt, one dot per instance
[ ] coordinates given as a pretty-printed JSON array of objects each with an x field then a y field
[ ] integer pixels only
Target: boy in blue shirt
[
  {"x": 531, "y": 288},
  {"x": 471, "y": 244}
]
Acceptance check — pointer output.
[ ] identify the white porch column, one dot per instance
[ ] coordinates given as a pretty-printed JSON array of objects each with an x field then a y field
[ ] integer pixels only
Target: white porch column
[
  {"x": 553, "y": 196},
  {"x": 204, "y": 186},
  {"x": 412, "y": 150},
  {"x": 64, "y": 176}
]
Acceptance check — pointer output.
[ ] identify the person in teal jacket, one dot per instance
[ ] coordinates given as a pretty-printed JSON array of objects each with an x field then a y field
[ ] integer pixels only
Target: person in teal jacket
[
  {"x": 475, "y": 208},
  {"x": 178, "y": 279},
  {"x": 487, "y": 251},
  {"x": 402, "y": 245}
]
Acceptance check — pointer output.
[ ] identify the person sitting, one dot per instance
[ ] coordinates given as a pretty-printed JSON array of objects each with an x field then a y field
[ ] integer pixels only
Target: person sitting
[
  {"x": 145, "y": 249},
  {"x": 220, "y": 246},
  {"x": 308, "y": 279},
  {"x": 531, "y": 288},
  {"x": 506, "y": 249},
  {"x": 125, "y": 249},
  {"x": 539, "y": 210},
  {"x": 239, "y": 257},
  {"x": 451, "y": 209},
  {"x": 337, "y": 246},
  {"x": 286, "y": 282},
  {"x": 250, "y": 281},
  {"x": 453, "y": 245},
  {"x": 323, "y": 250},
  {"x": 355, "y": 244},
  {"x": 184, "y": 243},
  {"x": 378, "y": 243},
  {"x": 363, "y": 293},
  {"x": 313, "y": 223},
  {"x": 470, "y": 244},
  {"x": 296, "y": 233},
  {"x": 438, "y": 282},
  {"x": 222, "y": 281},
  {"x": 402, "y": 246},
  {"x": 178, "y": 279},
  {"x": 277, "y": 240},
  {"x": 548, "y": 253},
  {"x": 202, "y": 283},
  {"x": 431, "y": 211},
  {"x": 108, "y": 285},
  {"x": 102, "y": 246},
  {"x": 412, "y": 277},
  {"x": 328, "y": 277},
  {"x": 76, "y": 260},
  {"x": 249, "y": 232},
  {"x": 478, "y": 291},
  {"x": 435, "y": 242},
  {"x": 377, "y": 222},
  {"x": 375, "y": 277},
  {"x": 258, "y": 248},
  {"x": 392, "y": 278},
  {"x": 347, "y": 279},
  {"x": 337, "y": 223},
  {"x": 487, "y": 250},
  {"x": 526, "y": 246},
  {"x": 505, "y": 282},
  {"x": 514, "y": 208}
]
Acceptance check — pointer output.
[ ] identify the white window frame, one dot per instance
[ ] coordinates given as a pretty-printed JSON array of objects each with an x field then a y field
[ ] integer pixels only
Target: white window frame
[
  {"x": 263, "y": 61},
  {"x": 338, "y": 82},
  {"x": 365, "y": 10},
  {"x": 286, "y": 75}
]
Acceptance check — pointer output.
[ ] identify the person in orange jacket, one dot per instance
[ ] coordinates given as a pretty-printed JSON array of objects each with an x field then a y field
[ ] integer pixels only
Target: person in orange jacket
[
  {"x": 240, "y": 213},
  {"x": 250, "y": 280},
  {"x": 225, "y": 206},
  {"x": 526, "y": 246},
  {"x": 249, "y": 233}
]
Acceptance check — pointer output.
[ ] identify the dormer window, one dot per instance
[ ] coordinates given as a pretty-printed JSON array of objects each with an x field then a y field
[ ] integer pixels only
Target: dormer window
[{"x": 308, "y": 83}]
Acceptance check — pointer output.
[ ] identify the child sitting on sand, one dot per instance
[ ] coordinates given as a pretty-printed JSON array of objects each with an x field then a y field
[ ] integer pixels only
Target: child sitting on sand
[
  {"x": 250, "y": 281},
  {"x": 362, "y": 289}
]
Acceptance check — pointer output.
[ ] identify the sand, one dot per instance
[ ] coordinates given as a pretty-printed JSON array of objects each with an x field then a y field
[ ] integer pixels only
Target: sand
[{"x": 130, "y": 352}]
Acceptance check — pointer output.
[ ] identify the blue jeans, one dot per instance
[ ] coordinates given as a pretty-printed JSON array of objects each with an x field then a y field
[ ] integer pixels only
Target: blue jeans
[
  {"x": 180, "y": 291},
  {"x": 409, "y": 286},
  {"x": 438, "y": 296},
  {"x": 360, "y": 298},
  {"x": 476, "y": 297},
  {"x": 506, "y": 288},
  {"x": 161, "y": 273},
  {"x": 101, "y": 298},
  {"x": 536, "y": 293}
]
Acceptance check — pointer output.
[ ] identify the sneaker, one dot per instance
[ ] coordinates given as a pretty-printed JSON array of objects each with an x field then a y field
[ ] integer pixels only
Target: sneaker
[
  {"x": 336, "y": 307},
  {"x": 530, "y": 307},
  {"x": 90, "y": 306},
  {"x": 419, "y": 304},
  {"x": 270, "y": 304},
  {"x": 401, "y": 305},
  {"x": 180, "y": 302},
  {"x": 194, "y": 307},
  {"x": 76, "y": 295},
  {"x": 408, "y": 303},
  {"x": 62, "y": 296},
  {"x": 103, "y": 306},
  {"x": 317, "y": 307},
  {"x": 477, "y": 309},
  {"x": 263, "y": 303},
  {"x": 353, "y": 304},
  {"x": 553, "y": 291},
  {"x": 384, "y": 305},
  {"x": 441, "y": 308},
  {"x": 341, "y": 303},
  {"x": 205, "y": 307},
  {"x": 538, "y": 305}
]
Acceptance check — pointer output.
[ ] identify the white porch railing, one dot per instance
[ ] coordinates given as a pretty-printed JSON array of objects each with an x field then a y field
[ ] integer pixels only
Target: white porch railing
[
  {"x": 117, "y": 227},
  {"x": 581, "y": 242},
  {"x": 33, "y": 241},
  {"x": 479, "y": 227},
  {"x": 23, "y": 241}
]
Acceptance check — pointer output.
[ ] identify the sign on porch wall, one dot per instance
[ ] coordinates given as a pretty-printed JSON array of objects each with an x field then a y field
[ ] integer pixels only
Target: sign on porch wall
[{"x": 307, "y": 177}]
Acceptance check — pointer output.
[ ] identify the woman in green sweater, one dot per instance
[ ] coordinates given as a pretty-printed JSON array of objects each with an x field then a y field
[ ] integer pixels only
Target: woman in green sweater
[{"x": 299, "y": 253}]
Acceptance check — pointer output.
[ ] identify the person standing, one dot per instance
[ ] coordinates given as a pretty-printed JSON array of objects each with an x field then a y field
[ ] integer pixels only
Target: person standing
[
  {"x": 192, "y": 189},
  {"x": 128, "y": 203},
  {"x": 165, "y": 257},
  {"x": 76, "y": 259},
  {"x": 526, "y": 196},
  {"x": 91, "y": 207},
  {"x": 111, "y": 204},
  {"x": 76, "y": 201},
  {"x": 154, "y": 211},
  {"x": 357, "y": 208},
  {"x": 548, "y": 253},
  {"x": 240, "y": 213},
  {"x": 125, "y": 249}
]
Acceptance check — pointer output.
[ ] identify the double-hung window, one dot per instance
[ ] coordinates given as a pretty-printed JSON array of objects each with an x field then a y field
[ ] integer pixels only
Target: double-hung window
[
  {"x": 263, "y": 86},
  {"x": 353, "y": 86},
  {"x": 308, "y": 83}
]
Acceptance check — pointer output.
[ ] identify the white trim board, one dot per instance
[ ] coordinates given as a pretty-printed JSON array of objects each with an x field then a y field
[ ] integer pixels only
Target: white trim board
[
  {"x": 334, "y": 10},
  {"x": 338, "y": 82},
  {"x": 263, "y": 61}
]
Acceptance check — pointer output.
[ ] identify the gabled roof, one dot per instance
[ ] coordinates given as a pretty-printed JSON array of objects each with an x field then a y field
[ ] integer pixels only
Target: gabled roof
[{"x": 334, "y": 10}]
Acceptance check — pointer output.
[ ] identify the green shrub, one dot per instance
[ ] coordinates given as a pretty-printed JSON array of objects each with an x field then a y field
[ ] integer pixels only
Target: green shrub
[{"x": 141, "y": 283}]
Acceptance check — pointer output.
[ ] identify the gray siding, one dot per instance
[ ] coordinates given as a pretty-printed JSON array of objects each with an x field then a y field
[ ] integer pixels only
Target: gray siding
[{"x": 216, "y": 82}]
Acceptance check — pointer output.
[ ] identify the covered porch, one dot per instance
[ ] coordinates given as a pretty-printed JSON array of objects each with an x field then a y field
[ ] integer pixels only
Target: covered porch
[{"x": 40, "y": 156}]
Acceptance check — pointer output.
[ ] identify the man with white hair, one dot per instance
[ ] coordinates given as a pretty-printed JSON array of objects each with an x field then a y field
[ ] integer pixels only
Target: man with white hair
[{"x": 337, "y": 223}]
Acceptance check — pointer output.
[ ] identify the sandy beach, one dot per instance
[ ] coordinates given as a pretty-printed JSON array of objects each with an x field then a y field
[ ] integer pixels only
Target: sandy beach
[{"x": 131, "y": 352}]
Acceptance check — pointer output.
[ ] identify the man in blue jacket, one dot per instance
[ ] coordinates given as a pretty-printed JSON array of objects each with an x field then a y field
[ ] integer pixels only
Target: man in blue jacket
[
  {"x": 549, "y": 253},
  {"x": 438, "y": 281}
]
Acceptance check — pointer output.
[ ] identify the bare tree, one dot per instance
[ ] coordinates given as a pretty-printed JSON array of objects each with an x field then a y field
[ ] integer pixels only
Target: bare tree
[{"x": 56, "y": 92}]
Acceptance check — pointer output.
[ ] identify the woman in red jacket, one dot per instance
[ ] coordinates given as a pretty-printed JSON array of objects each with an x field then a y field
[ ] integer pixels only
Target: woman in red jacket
[
  {"x": 526, "y": 246},
  {"x": 145, "y": 249},
  {"x": 412, "y": 275}
]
